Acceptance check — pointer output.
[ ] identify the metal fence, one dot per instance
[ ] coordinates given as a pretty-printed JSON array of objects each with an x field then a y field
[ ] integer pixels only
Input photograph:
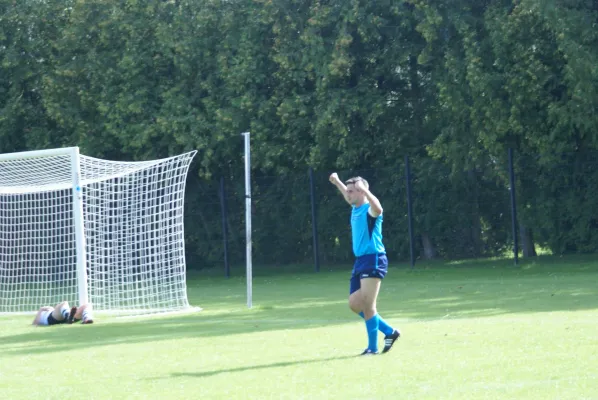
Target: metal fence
[{"x": 430, "y": 211}]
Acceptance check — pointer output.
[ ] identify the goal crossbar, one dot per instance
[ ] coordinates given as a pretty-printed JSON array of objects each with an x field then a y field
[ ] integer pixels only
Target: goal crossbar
[
  {"x": 133, "y": 166},
  {"x": 23, "y": 155}
]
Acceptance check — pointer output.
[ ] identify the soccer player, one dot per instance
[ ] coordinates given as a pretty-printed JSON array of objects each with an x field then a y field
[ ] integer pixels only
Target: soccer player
[
  {"x": 371, "y": 263},
  {"x": 61, "y": 314}
]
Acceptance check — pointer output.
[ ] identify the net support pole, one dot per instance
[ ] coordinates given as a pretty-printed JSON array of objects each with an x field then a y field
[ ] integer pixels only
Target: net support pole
[
  {"x": 410, "y": 211},
  {"x": 223, "y": 210},
  {"x": 79, "y": 227},
  {"x": 248, "y": 219},
  {"x": 314, "y": 219},
  {"x": 513, "y": 207}
]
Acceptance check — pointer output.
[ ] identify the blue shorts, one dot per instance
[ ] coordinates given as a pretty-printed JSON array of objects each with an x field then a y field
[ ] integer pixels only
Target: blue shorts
[{"x": 368, "y": 266}]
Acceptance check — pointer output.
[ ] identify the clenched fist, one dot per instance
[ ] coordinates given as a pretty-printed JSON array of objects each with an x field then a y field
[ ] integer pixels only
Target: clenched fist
[{"x": 333, "y": 177}]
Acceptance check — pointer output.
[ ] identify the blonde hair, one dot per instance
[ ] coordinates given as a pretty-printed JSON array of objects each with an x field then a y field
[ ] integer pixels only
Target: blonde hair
[{"x": 352, "y": 181}]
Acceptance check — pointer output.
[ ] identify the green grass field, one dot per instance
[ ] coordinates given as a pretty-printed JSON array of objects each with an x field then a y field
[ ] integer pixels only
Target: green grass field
[{"x": 471, "y": 330}]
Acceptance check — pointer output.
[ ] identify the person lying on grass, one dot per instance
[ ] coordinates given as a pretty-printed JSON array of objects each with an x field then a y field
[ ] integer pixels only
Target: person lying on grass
[{"x": 63, "y": 314}]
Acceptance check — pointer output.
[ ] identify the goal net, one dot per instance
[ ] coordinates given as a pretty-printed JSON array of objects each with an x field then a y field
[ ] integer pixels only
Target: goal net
[{"x": 83, "y": 229}]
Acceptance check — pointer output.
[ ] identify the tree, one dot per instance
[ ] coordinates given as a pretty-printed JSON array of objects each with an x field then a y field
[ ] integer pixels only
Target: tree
[{"x": 27, "y": 30}]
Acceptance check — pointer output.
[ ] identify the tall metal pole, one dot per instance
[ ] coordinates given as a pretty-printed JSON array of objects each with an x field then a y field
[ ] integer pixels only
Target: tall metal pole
[
  {"x": 513, "y": 207},
  {"x": 248, "y": 219},
  {"x": 409, "y": 211},
  {"x": 224, "y": 212},
  {"x": 314, "y": 221}
]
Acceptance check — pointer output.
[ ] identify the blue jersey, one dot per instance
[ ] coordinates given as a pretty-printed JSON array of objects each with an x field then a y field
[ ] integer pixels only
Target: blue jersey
[{"x": 366, "y": 231}]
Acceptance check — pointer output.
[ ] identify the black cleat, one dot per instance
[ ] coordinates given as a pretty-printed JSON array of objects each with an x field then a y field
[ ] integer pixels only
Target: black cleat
[
  {"x": 369, "y": 352},
  {"x": 71, "y": 317},
  {"x": 389, "y": 340}
]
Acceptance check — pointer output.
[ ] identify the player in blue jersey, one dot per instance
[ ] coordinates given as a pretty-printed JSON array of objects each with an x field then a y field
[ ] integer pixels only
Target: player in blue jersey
[{"x": 371, "y": 263}]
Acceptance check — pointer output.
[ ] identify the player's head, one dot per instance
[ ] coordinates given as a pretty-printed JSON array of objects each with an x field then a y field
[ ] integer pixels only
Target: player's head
[{"x": 356, "y": 196}]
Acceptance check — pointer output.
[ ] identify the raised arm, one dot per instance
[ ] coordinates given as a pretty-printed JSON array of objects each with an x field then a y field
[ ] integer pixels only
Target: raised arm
[
  {"x": 375, "y": 206},
  {"x": 339, "y": 185}
]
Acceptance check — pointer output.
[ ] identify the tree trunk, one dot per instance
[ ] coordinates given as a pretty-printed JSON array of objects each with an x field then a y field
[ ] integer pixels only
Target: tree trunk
[
  {"x": 527, "y": 241},
  {"x": 429, "y": 250}
]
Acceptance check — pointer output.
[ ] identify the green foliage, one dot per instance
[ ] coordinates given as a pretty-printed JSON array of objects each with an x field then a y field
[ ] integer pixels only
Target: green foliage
[
  {"x": 27, "y": 30},
  {"x": 349, "y": 85}
]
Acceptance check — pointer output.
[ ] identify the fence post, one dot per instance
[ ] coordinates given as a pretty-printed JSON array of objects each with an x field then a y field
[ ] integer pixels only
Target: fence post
[
  {"x": 513, "y": 206},
  {"x": 409, "y": 211},
  {"x": 223, "y": 210},
  {"x": 314, "y": 221}
]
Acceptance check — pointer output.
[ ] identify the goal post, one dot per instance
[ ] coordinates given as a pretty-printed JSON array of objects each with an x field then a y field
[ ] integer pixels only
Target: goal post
[
  {"x": 78, "y": 221},
  {"x": 82, "y": 229}
]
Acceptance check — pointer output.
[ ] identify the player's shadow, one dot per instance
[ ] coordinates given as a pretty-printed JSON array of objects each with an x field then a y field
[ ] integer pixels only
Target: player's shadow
[
  {"x": 60, "y": 338},
  {"x": 205, "y": 374}
]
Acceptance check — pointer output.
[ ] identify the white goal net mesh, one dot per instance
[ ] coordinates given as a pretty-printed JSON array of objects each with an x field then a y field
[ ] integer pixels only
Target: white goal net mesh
[{"x": 133, "y": 229}]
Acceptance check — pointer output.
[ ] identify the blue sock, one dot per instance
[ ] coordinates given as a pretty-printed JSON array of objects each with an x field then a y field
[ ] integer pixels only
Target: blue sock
[
  {"x": 372, "y": 327},
  {"x": 384, "y": 327}
]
